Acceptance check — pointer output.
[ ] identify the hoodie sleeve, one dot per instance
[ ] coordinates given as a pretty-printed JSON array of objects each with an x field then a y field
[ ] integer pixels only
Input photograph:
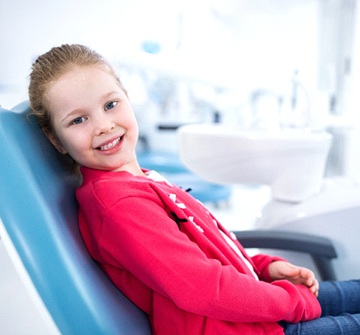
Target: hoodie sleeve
[{"x": 261, "y": 263}]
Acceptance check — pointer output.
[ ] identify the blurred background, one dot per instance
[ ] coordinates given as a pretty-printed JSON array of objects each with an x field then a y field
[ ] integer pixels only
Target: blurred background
[
  {"x": 230, "y": 61},
  {"x": 267, "y": 64}
]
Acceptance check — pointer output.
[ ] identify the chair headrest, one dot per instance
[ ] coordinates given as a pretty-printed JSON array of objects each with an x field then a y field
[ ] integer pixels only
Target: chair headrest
[{"x": 39, "y": 212}]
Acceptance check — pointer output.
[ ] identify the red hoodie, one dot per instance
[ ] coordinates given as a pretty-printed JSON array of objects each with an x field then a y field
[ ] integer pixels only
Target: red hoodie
[{"x": 166, "y": 253}]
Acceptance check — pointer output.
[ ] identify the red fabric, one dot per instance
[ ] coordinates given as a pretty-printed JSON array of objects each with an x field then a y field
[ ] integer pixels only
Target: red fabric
[{"x": 164, "y": 251}]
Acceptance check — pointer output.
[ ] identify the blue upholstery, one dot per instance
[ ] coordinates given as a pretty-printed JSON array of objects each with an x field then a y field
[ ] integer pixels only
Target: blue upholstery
[{"x": 39, "y": 213}]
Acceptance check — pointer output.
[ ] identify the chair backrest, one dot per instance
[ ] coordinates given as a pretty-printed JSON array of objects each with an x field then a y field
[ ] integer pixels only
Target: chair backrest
[{"x": 39, "y": 212}]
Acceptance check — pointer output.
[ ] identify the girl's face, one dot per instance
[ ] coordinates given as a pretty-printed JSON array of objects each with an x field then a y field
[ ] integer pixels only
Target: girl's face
[{"x": 93, "y": 120}]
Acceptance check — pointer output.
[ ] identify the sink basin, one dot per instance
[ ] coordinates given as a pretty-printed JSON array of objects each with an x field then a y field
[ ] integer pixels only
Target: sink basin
[{"x": 292, "y": 162}]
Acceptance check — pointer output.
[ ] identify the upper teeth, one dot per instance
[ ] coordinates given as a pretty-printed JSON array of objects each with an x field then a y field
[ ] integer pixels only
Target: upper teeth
[{"x": 110, "y": 145}]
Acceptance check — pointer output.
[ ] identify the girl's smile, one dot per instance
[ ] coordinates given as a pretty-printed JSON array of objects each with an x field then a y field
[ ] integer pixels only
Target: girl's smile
[
  {"x": 93, "y": 120},
  {"x": 111, "y": 146}
]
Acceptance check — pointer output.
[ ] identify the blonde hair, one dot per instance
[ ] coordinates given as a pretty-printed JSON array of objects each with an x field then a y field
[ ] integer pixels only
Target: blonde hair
[{"x": 50, "y": 67}]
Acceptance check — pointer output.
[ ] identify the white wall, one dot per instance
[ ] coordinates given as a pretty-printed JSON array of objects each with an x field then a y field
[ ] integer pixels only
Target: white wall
[
  {"x": 249, "y": 43},
  {"x": 29, "y": 28}
]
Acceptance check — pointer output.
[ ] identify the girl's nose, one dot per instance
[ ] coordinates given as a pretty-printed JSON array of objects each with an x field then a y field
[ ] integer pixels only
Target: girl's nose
[{"x": 103, "y": 125}]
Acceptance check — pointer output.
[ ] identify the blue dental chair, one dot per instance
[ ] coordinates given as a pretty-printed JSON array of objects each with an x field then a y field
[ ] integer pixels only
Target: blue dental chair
[{"x": 38, "y": 215}]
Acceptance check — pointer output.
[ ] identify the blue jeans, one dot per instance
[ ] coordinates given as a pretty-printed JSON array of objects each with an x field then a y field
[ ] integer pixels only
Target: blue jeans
[{"x": 340, "y": 302}]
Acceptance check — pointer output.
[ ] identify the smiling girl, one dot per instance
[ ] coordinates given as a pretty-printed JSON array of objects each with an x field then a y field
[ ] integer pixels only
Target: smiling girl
[{"x": 158, "y": 244}]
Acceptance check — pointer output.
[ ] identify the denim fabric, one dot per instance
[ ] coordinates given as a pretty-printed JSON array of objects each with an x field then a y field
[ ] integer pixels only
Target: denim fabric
[{"x": 340, "y": 302}]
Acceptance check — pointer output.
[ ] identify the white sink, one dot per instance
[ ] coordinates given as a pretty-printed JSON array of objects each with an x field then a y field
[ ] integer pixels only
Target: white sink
[{"x": 292, "y": 162}]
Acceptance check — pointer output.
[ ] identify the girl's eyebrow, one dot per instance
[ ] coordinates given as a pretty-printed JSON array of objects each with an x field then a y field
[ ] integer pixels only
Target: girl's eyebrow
[
  {"x": 107, "y": 95},
  {"x": 77, "y": 111}
]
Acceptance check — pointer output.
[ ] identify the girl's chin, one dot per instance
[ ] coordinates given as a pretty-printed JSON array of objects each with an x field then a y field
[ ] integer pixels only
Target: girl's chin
[{"x": 130, "y": 168}]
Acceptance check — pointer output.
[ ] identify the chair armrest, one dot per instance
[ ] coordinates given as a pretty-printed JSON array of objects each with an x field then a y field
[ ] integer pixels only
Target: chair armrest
[{"x": 321, "y": 249}]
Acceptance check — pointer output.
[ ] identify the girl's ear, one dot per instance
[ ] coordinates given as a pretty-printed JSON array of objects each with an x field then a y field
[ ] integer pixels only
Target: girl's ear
[{"x": 55, "y": 142}]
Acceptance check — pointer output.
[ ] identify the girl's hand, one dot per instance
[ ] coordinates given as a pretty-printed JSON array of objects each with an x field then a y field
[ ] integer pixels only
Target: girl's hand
[{"x": 294, "y": 274}]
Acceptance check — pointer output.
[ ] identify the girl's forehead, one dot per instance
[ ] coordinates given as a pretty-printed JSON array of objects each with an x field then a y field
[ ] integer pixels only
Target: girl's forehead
[
  {"x": 81, "y": 85},
  {"x": 82, "y": 77},
  {"x": 85, "y": 71}
]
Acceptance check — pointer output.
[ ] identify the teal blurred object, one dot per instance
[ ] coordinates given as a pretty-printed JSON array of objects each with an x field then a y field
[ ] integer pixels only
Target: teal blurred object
[
  {"x": 161, "y": 161},
  {"x": 170, "y": 165},
  {"x": 39, "y": 213}
]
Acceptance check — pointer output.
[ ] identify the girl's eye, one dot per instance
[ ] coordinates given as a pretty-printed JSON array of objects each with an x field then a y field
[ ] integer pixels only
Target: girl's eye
[
  {"x": 110, "y": 105},
  {"x": 78, "y": 120}
]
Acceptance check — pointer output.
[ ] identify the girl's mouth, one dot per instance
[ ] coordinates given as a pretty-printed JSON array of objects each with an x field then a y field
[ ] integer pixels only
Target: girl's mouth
[{"x": 110, "y": 145}]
